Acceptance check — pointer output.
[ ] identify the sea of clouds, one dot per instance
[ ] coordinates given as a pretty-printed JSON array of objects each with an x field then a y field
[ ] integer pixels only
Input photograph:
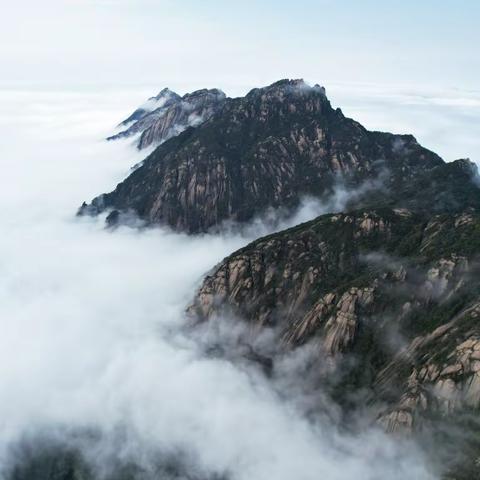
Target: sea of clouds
[{"x": 92, "y": 320}]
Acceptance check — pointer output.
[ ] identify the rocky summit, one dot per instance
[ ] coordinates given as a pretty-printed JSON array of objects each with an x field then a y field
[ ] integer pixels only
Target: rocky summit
[{"x": 272, "y": 148}]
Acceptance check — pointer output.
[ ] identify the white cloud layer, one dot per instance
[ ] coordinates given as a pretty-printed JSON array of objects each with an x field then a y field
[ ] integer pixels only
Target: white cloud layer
[{"x": 90, "y": 318}]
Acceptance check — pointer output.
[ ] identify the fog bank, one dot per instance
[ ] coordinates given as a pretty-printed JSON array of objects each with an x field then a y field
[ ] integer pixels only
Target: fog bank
[{"x": 92, "y": 321}]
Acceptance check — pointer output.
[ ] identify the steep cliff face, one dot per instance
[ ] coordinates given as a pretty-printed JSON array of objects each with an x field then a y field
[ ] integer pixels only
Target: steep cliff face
[
  {"x": 270, "y": 149},
  {"x": 168, "y": 114},
  {"x": 394, "y": 290}
]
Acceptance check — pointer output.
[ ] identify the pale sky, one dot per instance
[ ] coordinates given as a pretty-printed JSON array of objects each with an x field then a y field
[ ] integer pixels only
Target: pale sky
[{"x": 88, "y": 43}]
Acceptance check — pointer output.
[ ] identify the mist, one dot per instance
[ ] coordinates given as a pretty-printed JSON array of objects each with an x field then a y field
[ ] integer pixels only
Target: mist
[{"x": 93, "y": 326}]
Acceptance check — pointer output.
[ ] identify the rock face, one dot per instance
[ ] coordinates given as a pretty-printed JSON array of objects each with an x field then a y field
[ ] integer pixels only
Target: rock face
[
  {"x": 395, "y": 290},
  {"x": 293, "y": 276},
  {"x": 168, "y": 114},
  {"x": 270, "y": 149}
]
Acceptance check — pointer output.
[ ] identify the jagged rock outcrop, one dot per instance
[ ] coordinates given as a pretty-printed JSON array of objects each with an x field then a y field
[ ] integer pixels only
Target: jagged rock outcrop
[
  {"x": 270, "y": 149},
  {"x": 168, "y": 114},
  {"x": 277, "y": 277},
  {"x": 444, "y": 371},
  {"x": 165, "y": 98}
]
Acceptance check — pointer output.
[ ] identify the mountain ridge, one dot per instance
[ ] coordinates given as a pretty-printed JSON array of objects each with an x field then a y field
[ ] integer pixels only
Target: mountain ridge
[{"x": 270, "y": 149}]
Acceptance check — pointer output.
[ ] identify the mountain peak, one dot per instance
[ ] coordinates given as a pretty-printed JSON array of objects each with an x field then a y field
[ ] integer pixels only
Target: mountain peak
[
  {"x": 205, "y": 93},
  {"x": 166, "y": 93},
  {"x": 167, "y": 114},
  {"x": 291, "y": 86},
  {"x": 164, "y": 98},
  {"x": 295, "y": 82},
  {"x": 296, "y": 94}
]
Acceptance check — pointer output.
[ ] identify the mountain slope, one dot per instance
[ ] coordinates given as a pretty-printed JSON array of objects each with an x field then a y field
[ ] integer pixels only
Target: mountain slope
[
  {"x": 272, "y": 148},
  {"x": 390, "y": 299}
]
